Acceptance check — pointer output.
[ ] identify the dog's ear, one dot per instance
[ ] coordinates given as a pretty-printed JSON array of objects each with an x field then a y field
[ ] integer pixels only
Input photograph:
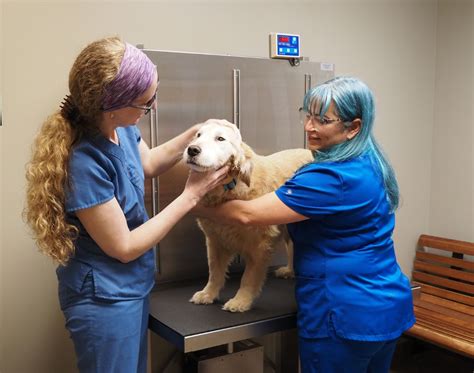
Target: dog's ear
[
  {"x": 241, "y": 163},
  {"x": 244, "y": 164}
]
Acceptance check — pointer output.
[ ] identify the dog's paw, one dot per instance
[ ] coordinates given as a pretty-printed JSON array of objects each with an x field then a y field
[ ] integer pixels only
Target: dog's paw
[
  {"x": 237, "y": 305},
  {"x": 284, "y": 272},
  {"x": 202, "y": 297}
]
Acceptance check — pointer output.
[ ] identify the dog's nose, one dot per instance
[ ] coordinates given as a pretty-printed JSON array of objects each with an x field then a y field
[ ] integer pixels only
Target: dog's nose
[{"x": 193, "y": 150}]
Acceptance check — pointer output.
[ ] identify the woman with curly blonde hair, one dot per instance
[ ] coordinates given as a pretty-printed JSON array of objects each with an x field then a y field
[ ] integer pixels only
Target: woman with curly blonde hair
[{"x": 85, "y": 202}]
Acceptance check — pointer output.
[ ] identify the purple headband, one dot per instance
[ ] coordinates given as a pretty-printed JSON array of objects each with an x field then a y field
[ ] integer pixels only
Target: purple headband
[{"x": 134, "y": 77}]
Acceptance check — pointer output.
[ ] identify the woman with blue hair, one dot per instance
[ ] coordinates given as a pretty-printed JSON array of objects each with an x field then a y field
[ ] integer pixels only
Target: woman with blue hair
[{"x": 353, "y": 300}]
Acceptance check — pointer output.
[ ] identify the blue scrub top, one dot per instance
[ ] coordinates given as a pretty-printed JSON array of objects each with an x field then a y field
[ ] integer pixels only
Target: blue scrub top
[
  {"x": 100, "y": 170},
  {"x": 347, "y": 276}
]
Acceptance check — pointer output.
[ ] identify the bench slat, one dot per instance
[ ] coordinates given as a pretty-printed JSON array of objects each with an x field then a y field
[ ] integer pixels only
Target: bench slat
[
  {"x": 425, "y": 316},
  {"x": 442, "y": 340},
  {"x": 447, "y": 294},
  {"x": 445, "y": 329},
  {"x": 448, "y": 329},
  {"x": 455, "y": 318},
  {"x": 446, "y": 244},
  {"x": 448, "y": 304},
  {"x": 446, "y": 272},
  {"x": 436, "y": 280},
  {"x": 460, "y": 263}
]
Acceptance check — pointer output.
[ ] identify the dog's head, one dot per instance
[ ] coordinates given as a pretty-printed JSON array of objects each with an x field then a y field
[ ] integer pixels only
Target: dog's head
[{"x": 218, "y": 143}]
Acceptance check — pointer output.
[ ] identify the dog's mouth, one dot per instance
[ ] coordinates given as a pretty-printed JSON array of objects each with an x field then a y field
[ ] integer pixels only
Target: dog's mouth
[{"x": 196, "y": 166}]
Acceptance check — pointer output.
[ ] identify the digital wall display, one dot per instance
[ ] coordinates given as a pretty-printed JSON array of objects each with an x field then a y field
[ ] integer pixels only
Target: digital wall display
[{"x": 284, "y": 45}]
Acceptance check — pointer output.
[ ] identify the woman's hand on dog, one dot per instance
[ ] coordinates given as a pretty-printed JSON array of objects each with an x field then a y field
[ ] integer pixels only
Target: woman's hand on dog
[{"x": 199, "y": 183}]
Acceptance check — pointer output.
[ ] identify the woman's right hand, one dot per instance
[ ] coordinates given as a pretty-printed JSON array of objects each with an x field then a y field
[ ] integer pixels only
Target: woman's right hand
[{"x": 199, "y": 183}]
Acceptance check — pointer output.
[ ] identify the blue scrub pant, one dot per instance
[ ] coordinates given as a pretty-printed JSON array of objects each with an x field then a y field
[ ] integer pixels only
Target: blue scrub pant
[
  {"x": 339, "y": 355},
  {"x": 108, "y": 336}
]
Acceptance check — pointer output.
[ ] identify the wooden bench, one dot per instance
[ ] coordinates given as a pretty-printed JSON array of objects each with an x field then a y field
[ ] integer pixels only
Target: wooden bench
[{"x": 444, "y": 303}]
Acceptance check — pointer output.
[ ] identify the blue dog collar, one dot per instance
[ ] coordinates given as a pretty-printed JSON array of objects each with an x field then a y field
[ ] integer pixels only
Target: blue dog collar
[{"x": 231, "y": 185}]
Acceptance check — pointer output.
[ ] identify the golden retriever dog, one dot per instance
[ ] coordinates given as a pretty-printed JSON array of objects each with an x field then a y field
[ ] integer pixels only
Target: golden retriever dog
[{"x": 219, "y": 143}]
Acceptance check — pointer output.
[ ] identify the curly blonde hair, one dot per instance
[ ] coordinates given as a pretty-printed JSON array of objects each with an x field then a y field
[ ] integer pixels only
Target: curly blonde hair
[{"x": 47, "y": 171}]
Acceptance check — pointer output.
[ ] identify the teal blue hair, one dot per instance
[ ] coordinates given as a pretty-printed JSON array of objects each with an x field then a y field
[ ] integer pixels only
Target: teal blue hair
[{"x": 352, "y": 100}]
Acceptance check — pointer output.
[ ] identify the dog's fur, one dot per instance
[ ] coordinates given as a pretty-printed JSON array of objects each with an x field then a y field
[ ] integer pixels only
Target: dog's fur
[{"x": 219, "y": 143}]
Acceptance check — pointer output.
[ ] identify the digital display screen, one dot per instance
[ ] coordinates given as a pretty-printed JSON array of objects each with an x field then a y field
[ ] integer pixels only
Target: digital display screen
[{"x": 288, "y": 45}]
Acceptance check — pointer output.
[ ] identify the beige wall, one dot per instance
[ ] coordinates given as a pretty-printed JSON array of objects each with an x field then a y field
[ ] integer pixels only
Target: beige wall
[
  {"x": 452, "y": 179},
  {"x": 392, "y": 45}
]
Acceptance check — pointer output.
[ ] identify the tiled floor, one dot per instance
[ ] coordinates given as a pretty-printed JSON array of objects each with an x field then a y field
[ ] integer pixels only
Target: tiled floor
[{"x": 413, "y": 356}]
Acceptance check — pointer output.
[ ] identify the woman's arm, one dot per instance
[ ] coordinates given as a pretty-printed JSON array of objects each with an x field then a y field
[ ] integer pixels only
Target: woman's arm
[
  {"x": 107, "y": 226},
  {"x": 265, "y": 210},
  {"x": 161, "y": 158}
]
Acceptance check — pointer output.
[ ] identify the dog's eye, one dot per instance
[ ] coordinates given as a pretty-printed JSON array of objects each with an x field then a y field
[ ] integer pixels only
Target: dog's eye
[
  {"x": 198, "y": 134},
  {"x": 220, "y": 138}
]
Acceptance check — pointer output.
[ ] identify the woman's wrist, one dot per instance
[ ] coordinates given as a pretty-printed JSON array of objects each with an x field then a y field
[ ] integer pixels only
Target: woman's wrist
[{"x": 189, "y": 198}]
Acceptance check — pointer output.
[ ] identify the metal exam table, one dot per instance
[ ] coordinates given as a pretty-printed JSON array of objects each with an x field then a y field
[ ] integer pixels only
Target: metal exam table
[{"x": 192, "y": 327}]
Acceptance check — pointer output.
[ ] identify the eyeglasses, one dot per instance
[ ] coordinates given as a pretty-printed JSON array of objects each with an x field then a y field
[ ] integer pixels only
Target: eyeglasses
[
  {"x": 305, "y": 117},
  {"x": 148, "y": 105}
]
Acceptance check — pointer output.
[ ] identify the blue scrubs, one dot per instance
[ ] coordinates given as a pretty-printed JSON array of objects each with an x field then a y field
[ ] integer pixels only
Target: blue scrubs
[
  {"x": 349, "y": 286},
  {"x": 105, "y": 302}
]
